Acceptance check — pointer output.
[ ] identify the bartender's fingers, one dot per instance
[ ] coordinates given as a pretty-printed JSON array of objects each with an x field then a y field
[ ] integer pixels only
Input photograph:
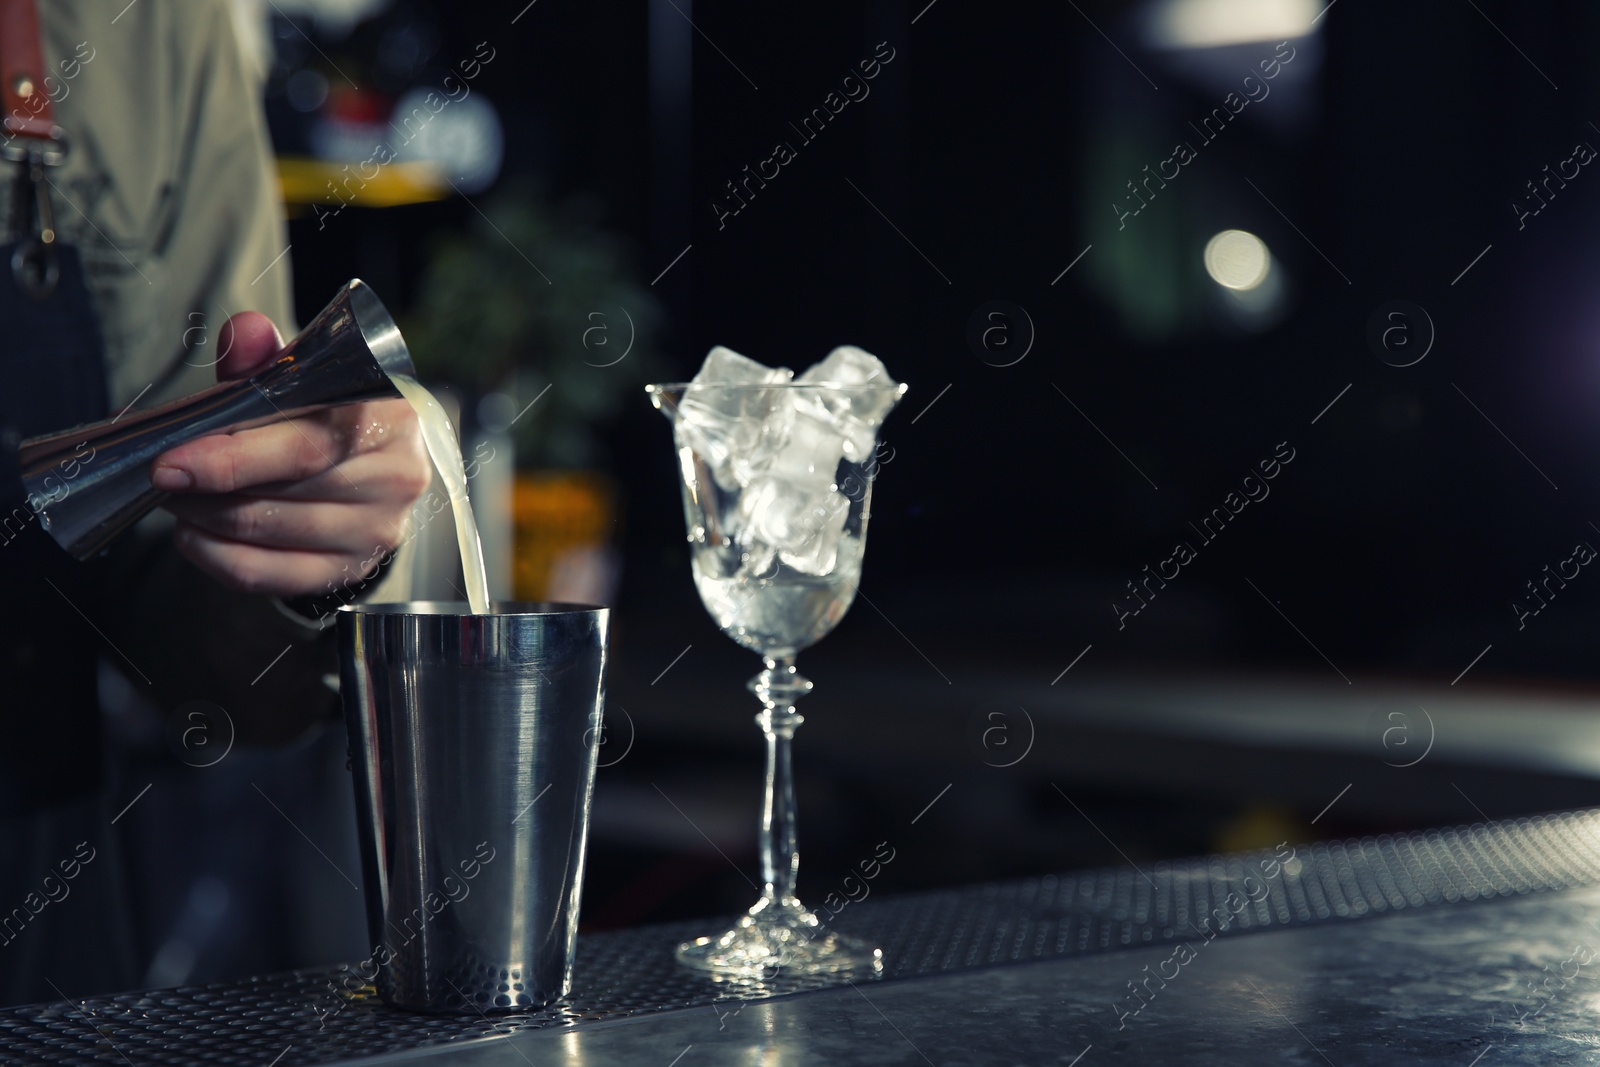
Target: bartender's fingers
[
  {"x": 298, "y": 449},
  {"x": 268, "y": 571},
  {"x": 248, "y": 342},
  {"x": 373, "y": 476},
  {"x": 291, "y": 524},
  {"x": 226, "y": 463}
]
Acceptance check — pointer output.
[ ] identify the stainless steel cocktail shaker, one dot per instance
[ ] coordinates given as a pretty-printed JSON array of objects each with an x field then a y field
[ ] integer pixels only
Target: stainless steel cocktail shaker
[{"x": 473, "y": 743}]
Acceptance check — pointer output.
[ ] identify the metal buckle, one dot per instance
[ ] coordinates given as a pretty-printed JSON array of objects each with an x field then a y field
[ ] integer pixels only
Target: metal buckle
[{"x": 52, "y": 152}]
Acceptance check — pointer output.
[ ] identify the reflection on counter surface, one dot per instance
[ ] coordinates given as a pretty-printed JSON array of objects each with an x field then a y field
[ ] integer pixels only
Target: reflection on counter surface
[{"x": 1424, "y": 943}]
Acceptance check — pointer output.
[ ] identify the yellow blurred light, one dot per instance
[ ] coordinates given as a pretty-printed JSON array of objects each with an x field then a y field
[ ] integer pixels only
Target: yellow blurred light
[
  {"x": 314, "y": 181},
  {"x": 1237, "y": 260}
]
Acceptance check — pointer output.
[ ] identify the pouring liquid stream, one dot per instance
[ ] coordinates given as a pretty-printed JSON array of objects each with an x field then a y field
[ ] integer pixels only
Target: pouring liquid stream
[{"x": 445, "y": 450}]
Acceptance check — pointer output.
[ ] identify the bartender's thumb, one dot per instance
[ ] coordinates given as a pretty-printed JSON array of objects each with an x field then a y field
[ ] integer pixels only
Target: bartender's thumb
[{"x": 248, "y": 342}]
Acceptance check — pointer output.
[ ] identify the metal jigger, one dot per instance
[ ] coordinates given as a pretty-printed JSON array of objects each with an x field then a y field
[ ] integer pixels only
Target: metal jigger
[{"x": 90, "y": 483}]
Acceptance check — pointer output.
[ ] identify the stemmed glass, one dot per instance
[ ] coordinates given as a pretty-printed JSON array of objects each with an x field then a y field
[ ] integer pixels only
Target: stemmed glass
[{"x": 776, "y": 602}]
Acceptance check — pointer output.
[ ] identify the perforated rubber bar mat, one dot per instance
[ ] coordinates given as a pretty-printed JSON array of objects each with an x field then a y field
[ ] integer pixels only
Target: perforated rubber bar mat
[{"x": 325, "y": 1016}]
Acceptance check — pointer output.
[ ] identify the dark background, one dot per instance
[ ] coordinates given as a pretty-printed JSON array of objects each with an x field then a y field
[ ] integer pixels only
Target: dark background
[
  {"x": 985, "y": 160},
  {"x": 1407, "y": 524}
]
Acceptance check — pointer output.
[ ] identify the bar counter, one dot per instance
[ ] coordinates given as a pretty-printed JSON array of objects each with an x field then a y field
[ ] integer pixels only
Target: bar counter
[{"x": 1440, "y": 947}]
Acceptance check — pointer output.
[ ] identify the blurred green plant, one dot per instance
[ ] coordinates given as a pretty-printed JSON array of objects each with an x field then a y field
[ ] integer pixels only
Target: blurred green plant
[{"x": 488, "y": 320}]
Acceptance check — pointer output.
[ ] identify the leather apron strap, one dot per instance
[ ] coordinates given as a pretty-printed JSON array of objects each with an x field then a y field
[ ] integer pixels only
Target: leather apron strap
[{"x": 24, "y": 93}]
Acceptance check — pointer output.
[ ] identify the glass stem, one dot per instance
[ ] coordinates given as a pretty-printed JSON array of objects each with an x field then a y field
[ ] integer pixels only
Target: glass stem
[{"x": 778, "y": 687}]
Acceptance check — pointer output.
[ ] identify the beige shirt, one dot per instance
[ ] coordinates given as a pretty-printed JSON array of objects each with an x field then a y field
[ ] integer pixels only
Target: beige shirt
[{"x": 169, "y": 190}]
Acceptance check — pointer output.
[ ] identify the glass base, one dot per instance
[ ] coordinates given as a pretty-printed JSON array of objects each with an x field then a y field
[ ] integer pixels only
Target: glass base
[{"x": 771, "y": 941}]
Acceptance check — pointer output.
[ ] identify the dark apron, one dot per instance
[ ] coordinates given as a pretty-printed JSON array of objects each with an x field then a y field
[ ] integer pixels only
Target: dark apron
[{"x": 52, "y": 375}]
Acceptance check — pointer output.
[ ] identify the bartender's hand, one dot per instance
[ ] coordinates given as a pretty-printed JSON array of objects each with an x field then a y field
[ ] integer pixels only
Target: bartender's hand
[{"x": 286, "y": 508}]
